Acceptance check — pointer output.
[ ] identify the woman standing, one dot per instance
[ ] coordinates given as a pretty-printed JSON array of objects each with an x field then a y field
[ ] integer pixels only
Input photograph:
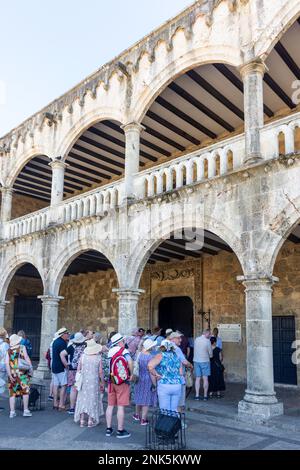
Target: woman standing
[
  {"x": 19, "y": 377},
  {"x": 167, "y": 370},
  {"x": 89, "y": 405},
  {"x": 74, "y": 352},
  {"x": 3, "y": 350},
  {"x": 216, "y": 379},
  {"x": 144, "y": 389}
]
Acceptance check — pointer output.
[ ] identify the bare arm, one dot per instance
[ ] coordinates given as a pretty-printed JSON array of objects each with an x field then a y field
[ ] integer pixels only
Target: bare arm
[
  {"x": 101, "y": 375},
  {"x": 26, "y": 357},
  {"x": 154, "y": 363},
  {"x": 8, "y": 368},
  {"x": 63, "y": 356}
]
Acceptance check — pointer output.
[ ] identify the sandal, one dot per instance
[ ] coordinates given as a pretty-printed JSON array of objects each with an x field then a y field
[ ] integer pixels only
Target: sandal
[
  {"x": 92, "y": 424},
  {"x": 61, "y": 408},
  {"x": 82, "y": 423}
]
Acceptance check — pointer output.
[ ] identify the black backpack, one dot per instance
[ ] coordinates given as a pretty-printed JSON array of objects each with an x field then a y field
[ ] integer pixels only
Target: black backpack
[
  {"x": 167, "y": 425},
  {"x": 34, "y": 395}
]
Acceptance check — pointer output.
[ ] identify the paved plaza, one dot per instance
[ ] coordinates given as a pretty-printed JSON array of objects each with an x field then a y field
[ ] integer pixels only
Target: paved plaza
[{"x": 211, "y": 426}]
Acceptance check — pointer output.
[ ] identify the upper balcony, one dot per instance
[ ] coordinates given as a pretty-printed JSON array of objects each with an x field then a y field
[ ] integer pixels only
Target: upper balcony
[{"x": 199, "y": 121}]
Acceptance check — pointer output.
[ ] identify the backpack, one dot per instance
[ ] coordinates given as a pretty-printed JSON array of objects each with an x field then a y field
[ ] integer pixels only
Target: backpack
[
  {"x": 77, "y": 355},
  {"x": 28, "y": 346},
  {"x": 119, "y": 369}
]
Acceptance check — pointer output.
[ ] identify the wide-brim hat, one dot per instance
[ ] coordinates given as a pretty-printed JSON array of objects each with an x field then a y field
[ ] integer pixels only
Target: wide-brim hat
[
  {"x": 175, "y": 334},
  {"x": 14, "y": 341},
  {"x": 62, "y": 331},
  {"x": 169, "y": 331},
  {"x": 92, "y": 347},
  {"x": 168, "y": 345},
  {"x": 78, "y": 338},
  {"x": 149, "y": 344},
  {"x": 117, "y": 338}
]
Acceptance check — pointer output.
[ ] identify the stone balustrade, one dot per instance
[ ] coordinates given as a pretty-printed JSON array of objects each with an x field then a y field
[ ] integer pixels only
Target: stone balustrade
[{"x": 280, "y": 137}]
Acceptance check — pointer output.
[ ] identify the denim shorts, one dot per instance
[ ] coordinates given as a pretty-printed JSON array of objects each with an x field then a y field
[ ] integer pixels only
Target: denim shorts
[{"x": 202, "y": 369}]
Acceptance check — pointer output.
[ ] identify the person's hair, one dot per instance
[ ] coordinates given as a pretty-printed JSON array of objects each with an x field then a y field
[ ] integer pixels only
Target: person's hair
[
  {"x": 141, "y": 329},
  {"x": 21, "y": 333},
  {"x": 113, "y": 333},
  {"x": 215, "y": 330},
  {"x": 213, "y": 340},
  {"x": 207, "y": 330},
  {"x": 97, "y": 337},
  {"x": 3, "y": 333},
  {"x": 148, "y": 332},
  {"x": 157, "y": 329}
]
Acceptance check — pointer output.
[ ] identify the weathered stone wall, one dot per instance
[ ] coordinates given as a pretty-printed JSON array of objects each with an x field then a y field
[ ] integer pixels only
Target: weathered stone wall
[{"x": 23, "y": 205}]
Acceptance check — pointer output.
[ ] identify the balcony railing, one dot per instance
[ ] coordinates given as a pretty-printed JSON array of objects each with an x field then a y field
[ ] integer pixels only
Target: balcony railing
[{"x": 278, "y": 137}]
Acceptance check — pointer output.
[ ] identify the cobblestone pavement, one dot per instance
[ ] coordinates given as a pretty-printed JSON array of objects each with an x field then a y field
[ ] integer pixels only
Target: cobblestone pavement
[{"x": 212, "y": 425}]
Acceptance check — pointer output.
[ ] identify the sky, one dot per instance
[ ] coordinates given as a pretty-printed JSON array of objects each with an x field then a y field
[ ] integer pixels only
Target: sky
[{"x": 48, "y": 47}]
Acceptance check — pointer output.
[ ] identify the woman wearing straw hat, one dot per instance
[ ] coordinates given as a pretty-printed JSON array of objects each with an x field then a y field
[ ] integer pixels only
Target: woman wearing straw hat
[
  {"x": 144, "y": 389},
  {"x": 19, "y": 378},
  {"x": 89, "y": 405}
]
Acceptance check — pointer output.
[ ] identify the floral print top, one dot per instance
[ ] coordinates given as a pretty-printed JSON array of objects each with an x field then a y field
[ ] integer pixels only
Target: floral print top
[{"x": 169, "y": 368}]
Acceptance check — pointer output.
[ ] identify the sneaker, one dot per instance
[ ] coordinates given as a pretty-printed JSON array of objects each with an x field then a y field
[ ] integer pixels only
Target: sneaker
[
  {"x": 109, "y": 432},
  {"x": 71, "y": 411},
  {"x": 136, "y": 417},
  {"x": 50, "y": 398},
  {"x": 197, "y": 398},
  {"x": 144, "y": 422},
  {"x": 205, "y": 398},
  {"x": 123, "y": 434},
  {"x": 12, "y": 414},
  {"x": 27, "y": 413}
]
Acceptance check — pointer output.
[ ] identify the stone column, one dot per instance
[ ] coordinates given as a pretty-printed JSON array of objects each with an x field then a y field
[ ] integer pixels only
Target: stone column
[
  {"x": 252, "y": 74},
  {"x": 6, "y": 204},
  {"x": 49, "y": 327},
  {"x": 260, "y": 400},
  {"x": 3, "y": 304},
  {"x": 58, "y": 174},
  {"x": 132, "y": 157},
  {"x": 128, "y": 300}
]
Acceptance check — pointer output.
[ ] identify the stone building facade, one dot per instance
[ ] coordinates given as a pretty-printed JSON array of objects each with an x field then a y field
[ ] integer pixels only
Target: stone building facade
[{"x": 171, "y": 172}]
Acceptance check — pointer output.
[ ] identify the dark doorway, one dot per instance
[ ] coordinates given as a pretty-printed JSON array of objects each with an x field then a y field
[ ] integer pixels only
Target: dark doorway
[
  {"x": 177, "y": 313},
  {"x": 28, "y": 317},
  {"x": 284, "y": 335}
]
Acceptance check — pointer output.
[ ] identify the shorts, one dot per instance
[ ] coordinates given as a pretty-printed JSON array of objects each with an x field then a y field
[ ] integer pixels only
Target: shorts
[
  {"x": 119, "y": 395},
  {"x": 61, "y": 379},
  {"x": 182, "y": 396},
  {"x": 202, "y": 369}
]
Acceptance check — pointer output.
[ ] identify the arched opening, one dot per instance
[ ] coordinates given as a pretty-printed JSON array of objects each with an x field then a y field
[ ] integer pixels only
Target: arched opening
[
  {"x": 24, "y": 310},
  {"x": 184, "y": 274},
  {"x": 32, "y": 187},
  {"x": 283, "y": 65},
  {"x": 286, "y": 310},
  {"x": 85, "y": 283},
  {"x": 198, "y": 107},
  {"x": 97, "y": 157}
]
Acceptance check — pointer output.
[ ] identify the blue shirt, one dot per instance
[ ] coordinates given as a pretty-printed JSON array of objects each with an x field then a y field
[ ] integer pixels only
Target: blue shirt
[
  {"x": 169, "y": 368},
  {"x": 219, "y": 343}
]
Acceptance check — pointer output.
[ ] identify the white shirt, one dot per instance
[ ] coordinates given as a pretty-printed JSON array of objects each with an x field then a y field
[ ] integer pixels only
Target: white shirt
[{"x": 202, "y": 349}]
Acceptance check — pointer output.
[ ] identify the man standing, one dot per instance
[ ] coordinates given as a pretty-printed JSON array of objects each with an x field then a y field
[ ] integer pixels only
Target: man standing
[
  {"x": 121, "y": 369},
  {"x": 176, "y": 338},
  {"x": 60, "y": 368},
  {"x": 202, "y": 354}
]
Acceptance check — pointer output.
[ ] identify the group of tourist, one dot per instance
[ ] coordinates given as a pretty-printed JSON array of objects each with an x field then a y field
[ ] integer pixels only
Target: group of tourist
[{"x": 153, "y": 366}]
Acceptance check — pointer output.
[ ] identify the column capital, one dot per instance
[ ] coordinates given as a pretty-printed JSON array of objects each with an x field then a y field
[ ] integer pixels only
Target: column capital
[
  {"x": 57, "y": 163},
  {"x": 6, "y": 190},
  {"x": 133, "y": 126},
  {"x": 50, "y": 299},
  {"x": 257, "y": 282},
  {"x": 254, "y": 66},
  {"x": 127, "y": 293},
  {"x": 3, "y": 303}
]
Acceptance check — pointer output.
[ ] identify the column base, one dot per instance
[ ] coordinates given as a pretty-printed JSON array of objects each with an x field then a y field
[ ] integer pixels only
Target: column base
[
  {"x": 253, "y": 158},
  {"x": 42, "y": 373},
  {"x": 258, "y": 412}
]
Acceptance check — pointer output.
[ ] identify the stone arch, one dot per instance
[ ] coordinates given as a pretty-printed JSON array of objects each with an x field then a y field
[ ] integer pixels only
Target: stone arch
[
  {"x": 282, "y": 226},
  {"x": 195, "y": 58},
  {"x": 65, "y": 258},
  {"x": 83, "y": 123},
  {"x": 21, "y": 162},
  {"x": 276, "y": 28},
  {"x": 12, "y": 266},
  {"x": 159, "y": 233}
]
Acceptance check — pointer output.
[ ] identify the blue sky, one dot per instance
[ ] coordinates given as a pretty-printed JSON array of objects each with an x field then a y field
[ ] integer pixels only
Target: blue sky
[{"x": 48, "y": 47}]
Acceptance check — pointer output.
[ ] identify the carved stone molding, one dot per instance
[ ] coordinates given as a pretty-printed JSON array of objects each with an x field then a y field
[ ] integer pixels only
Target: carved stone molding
[{"x": 172, "y": 274}]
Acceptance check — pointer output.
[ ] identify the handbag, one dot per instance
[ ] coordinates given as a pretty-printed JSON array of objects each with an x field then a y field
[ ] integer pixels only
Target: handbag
[
  {"x": 23, "y": 365},
  {"x": 136, "y": 369},
  {"x": 167, "y": 425},
  {"x": 189, "y": 379},
  {"x": 78, "y": 380}
]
